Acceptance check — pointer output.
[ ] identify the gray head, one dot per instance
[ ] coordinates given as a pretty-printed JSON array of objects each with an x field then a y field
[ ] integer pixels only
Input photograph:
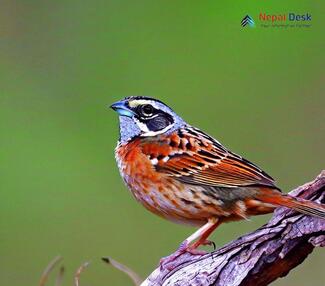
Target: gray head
[{"x": 145, "y": 116}]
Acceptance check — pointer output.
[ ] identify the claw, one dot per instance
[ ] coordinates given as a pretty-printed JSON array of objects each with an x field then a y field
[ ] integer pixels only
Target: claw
[
  {"x": 195, "y": 251},
  {"x": 209, "y": 243}
]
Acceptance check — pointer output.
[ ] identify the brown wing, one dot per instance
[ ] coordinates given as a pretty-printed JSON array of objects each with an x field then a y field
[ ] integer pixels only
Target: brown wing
[{"x": 196, "y": 158}]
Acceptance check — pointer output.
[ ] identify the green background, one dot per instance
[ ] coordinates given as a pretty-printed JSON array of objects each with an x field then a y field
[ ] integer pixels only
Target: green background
[{"x": 259, "y": 91}]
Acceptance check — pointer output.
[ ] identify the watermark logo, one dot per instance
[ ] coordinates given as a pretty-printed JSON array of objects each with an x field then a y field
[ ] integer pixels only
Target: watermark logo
[
  {"x": 248, "y": 21},
  {"x": 278, "y": 20}
]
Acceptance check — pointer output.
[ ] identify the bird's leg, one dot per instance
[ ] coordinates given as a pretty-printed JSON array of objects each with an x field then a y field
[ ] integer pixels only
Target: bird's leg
[
  {"x": 214, "y": 223},
  {"x": 206, "y": 230},
  {"x": 200, "y": 235}
]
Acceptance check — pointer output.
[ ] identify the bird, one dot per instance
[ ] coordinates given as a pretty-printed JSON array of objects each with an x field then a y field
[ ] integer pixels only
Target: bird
[{"x": 184, "y": 175}]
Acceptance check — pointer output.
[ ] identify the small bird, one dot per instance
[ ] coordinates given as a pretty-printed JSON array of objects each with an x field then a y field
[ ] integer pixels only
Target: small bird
[{"x": 184, "y": 175}]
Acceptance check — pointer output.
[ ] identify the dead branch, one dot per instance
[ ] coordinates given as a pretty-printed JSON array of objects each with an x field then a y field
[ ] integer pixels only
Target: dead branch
[
  {"x": 78, "y": 273},
  {"x": 49, "y": 268},
  {"x": 136, "y": 279}
]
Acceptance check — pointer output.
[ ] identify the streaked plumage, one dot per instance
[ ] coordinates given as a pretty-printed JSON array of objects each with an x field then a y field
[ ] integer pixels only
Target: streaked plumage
[{"x": 184, "y": 175}]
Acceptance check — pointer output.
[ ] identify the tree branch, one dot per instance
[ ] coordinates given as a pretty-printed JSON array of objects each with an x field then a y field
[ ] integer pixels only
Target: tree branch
[{"x": 257, "y": 258}]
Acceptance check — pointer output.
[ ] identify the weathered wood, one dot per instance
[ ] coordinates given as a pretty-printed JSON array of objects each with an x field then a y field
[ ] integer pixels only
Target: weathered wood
[{"x": 257, "y": 258}]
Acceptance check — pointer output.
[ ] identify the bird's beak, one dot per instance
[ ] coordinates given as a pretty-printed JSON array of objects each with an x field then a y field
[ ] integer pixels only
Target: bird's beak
[{"x": 121, "y": 108}]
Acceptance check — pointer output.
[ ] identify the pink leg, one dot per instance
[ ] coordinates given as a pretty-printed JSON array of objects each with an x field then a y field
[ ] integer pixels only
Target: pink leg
[
  {"x": 203, "y": 239},
  {"x": 201, "y": 234}
]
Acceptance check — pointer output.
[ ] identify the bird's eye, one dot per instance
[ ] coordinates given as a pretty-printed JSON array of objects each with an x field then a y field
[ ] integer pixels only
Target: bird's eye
[{"x": 147, "y": 110}]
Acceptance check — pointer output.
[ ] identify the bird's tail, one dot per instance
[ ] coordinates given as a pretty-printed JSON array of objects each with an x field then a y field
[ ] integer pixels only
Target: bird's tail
[{"x": 303, "y": 206}]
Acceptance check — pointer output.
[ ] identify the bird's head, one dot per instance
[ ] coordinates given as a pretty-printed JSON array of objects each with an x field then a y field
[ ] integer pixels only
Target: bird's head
[{"x": 145, "y": 116}]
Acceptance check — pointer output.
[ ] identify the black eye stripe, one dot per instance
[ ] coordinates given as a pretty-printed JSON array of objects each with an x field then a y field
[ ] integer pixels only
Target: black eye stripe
[
  {"x": 158, "y": 121},
  {"x": 154, "y": 119},
  {"x": 146, "y": 110}
]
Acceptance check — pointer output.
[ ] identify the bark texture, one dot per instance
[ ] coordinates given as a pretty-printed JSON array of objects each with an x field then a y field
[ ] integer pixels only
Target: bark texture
[{"x": 257, "y": 258}]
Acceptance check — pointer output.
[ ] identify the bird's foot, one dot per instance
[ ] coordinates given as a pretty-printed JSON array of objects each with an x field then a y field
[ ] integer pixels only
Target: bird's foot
[
  {"x": 185, "y": 247},
  {"x": 171, "y": 258},
  {"x": 204, "y": 242}
]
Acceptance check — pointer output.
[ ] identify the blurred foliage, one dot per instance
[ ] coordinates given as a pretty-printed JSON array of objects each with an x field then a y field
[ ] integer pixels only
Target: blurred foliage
[{"x": 259, "y": 91}]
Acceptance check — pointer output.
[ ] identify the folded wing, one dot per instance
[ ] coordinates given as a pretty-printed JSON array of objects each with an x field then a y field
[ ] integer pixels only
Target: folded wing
[{"x": 196, "y": 158}]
